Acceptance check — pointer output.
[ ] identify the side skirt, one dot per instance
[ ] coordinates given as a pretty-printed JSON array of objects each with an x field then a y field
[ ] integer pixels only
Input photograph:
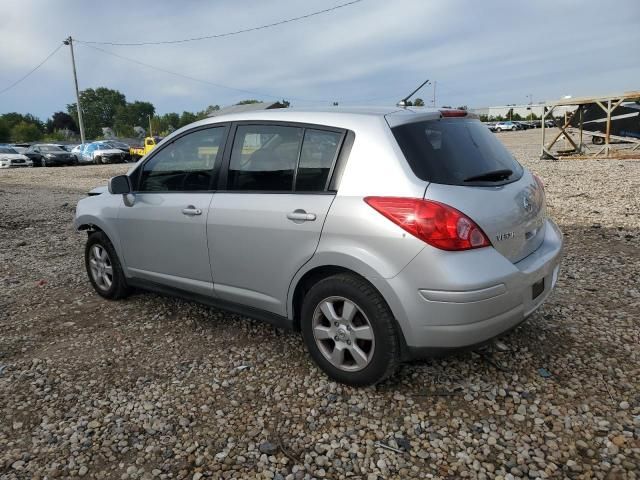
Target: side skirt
[{"x": 274, "y": 319}]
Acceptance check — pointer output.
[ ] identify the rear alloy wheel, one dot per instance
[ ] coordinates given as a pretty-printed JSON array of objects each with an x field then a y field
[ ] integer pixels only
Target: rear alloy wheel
[
  {"x": 350, "y": 331},
  {"x": 43, "y": 162},
  {"x": 498, "y": 129},
  {"x": 103, "y": 267}
]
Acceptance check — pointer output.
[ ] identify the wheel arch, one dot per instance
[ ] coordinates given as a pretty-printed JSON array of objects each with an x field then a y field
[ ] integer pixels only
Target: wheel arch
[
  {"x": 91, "y": 224},
  {"x": 308, "y": 277}
]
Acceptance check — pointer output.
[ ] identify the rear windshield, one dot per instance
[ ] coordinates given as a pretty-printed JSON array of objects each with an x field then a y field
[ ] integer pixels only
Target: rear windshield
[{"x": 456, "y": 151}]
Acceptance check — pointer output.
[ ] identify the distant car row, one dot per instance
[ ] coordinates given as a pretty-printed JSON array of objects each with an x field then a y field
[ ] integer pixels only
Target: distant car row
[
  {"x": 49, "y": 155},
  {"x": 516, "y": 125}
]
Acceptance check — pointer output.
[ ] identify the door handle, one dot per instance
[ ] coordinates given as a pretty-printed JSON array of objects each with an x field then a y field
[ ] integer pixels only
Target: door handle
[
  {"x": 191, "y": 211},
  {"x": 300, "y": 216}
]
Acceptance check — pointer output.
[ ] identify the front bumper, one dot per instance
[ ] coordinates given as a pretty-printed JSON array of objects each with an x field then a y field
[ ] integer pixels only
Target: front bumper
[{"x": 467, "y": 298}]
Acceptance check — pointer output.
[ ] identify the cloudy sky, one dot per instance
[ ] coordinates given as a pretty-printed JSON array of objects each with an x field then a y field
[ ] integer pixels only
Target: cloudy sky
[{"x": 481, "y": 53}]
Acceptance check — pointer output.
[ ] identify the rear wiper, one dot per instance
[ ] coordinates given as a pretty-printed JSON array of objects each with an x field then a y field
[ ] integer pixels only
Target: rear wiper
[{"x": 493, "y": 176}]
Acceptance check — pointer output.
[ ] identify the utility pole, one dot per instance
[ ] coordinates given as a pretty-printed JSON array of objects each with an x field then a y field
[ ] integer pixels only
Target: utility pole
[
  {"x": 434, "y": 93},
  {"x": 69, "y": 41}
]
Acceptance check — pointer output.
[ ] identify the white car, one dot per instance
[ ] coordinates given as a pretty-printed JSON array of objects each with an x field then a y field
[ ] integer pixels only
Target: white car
[
  {"x": 100, "y": 153},
  {"x": 9, "y": 158}
]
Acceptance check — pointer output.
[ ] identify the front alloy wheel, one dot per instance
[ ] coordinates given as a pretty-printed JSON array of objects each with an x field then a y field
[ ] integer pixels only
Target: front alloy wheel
[
  {"x": 103, "y": 267},
  {"x": 100, "y": 267}
]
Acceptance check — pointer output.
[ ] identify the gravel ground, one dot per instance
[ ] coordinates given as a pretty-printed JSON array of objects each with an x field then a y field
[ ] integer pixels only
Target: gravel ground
[{"x": 153, "y": 387}]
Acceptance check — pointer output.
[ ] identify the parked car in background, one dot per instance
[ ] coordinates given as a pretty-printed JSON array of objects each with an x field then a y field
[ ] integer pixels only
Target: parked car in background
[
  {"x": 444, "y": 242},
  {"x": 20, "y": 147},
  {"x": 77, "y": 151},
  {"x": 49, "y": 155},
  {"x": 124, "y": 147},
  {"x": 102, "y": 153},
  {"x": 491, "y": 126},
  {"x": 10, "y": 158},
  {"x": 500, "y": 126}
]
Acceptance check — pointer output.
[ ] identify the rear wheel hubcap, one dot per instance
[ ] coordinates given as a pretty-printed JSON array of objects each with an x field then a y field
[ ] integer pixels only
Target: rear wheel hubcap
[{"x": 343, "y": 333}]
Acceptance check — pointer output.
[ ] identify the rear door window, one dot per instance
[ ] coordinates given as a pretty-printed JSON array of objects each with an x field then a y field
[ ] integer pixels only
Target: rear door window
[
  {"x": 264, "y": 157},
  {"x": 455, "y": 152},
  {"x": 318, "y": 153}
]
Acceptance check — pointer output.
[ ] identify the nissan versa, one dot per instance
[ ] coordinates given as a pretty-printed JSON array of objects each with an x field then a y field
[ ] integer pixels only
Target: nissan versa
[{"x": 382, "y": 234}]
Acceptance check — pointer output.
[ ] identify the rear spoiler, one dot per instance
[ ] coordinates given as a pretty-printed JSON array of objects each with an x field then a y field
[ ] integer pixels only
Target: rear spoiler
[{"x": 412, "y": 114}]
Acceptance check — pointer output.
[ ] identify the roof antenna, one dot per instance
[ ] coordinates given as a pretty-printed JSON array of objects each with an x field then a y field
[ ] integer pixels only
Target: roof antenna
[{"x": 403, "y": 102}]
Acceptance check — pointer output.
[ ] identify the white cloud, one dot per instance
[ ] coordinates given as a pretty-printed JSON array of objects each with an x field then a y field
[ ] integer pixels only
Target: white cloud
[{"x": 479, "y": 52}]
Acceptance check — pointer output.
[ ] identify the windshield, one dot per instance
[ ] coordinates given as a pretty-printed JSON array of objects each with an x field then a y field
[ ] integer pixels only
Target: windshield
[
  {"x": 7, "y": 150},
  {"x": 454, "y": 151},
  {"x": 50, "y": 148}
]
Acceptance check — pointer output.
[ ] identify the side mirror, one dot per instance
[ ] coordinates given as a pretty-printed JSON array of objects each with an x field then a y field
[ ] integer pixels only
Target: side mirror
[{"x": 120, "y": 185}]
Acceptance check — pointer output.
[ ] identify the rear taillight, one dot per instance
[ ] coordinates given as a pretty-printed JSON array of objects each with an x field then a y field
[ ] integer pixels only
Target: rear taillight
[
  {"x": 435, "y": 223},
  {"x": 538, "y": 181}
]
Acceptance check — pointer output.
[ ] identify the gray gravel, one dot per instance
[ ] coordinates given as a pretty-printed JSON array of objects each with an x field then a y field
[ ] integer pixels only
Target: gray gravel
[{"x": 153, "y": 387}]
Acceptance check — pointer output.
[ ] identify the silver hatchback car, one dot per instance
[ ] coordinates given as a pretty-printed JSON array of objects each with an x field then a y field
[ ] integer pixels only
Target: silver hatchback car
[{"x": 381, "y": 234}]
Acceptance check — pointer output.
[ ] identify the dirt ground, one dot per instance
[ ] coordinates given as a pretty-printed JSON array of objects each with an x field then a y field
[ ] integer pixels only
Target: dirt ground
[{"x": 154, "y": 387}]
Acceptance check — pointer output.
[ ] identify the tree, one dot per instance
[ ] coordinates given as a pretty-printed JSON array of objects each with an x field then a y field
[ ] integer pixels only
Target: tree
[
  {"x": 25, "y": 132},
  {"x": 13, "y": 118},
  {"x": 5, "y": 131},
  {"x": 418, "y": 102},
  {"x": 61, "y": 121},
  {"x": 186, "y": 118},
  {"x": 131, "y": 115},
  {"x": 248, "y": 102},
  {"x": 99, "y": 108},
  {"x": 207, "y": 111}
]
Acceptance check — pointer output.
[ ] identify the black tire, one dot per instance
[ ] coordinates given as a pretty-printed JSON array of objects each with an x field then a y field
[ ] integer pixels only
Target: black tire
[
  {"x": 597, "y": 140},
  {"x": 97, "y": 161},
  {"x": 119, "y": 288},
  {"x": 498, "y": 129},
  {"x": 43, "y": 162},
  {"x": 386, "y": 354}
]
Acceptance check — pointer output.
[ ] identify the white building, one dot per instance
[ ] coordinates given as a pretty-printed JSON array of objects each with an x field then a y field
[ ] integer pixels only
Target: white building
[{"x": 523, "y": 110}]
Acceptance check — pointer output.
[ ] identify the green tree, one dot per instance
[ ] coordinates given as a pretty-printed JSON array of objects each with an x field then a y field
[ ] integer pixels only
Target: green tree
[
  {"x": 131, "y": 115},
  {"x": 248, "y": 101},
  {"x": 418, "y": 102},
  {"x": 61, "y": 121},
  {"x": 186, "y": 118},
  {"x": 5, "y": 131},
  {"x": 99, "y": 108},
  {"x": 13, "y": 118},
  {"x": 25, "y": 132}
]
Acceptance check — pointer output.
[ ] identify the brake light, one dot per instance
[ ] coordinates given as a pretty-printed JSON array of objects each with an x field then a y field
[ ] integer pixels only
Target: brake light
[
  {"x": 453, "y": 113},
  {"x": 435, "y": 223}
]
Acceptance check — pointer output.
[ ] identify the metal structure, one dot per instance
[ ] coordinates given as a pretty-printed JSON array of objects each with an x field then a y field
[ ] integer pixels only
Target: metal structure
[{"x": 573, "y": 135}]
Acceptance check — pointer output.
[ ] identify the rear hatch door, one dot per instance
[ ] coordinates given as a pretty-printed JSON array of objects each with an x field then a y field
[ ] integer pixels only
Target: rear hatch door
[{"x": 468, "y": 168}]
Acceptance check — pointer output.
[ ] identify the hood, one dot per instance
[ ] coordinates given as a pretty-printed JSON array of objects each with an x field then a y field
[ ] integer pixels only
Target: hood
[
  {"x": 98, "y": 191},
  {"x": 12, "y": 156},
  {"x": 107, "y": 151}
]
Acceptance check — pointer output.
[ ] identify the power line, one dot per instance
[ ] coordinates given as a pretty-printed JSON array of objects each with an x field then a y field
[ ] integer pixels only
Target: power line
[
  {"x": 31, "y": 71},
  {"x": 226, "y": 34},
  {"x": 193, "y": 79}
]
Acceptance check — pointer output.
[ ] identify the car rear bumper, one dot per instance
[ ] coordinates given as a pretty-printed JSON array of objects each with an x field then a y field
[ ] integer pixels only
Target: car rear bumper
[{"x": 467, "y": 298}]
